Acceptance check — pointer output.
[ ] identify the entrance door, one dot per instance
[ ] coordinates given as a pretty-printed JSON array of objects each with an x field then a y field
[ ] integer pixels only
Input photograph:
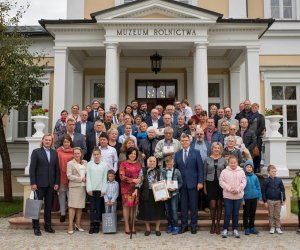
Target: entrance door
[{"x": 154, "y": 92}]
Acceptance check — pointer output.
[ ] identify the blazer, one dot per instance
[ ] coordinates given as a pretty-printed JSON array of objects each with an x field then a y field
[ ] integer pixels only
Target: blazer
[
  {"x": 89, "y": 127},
  {"x": 160, "y": 122},
  {"x": 90, "y": 144},
  {"x": 91, "y": 117},
  {"x": 75, "y": 180},
  {"x": 134, "y": 130},
  {"x": 193, "y": 170},
  {"x": 41, "y": 172},
  {"x": 78, "y": 141}
]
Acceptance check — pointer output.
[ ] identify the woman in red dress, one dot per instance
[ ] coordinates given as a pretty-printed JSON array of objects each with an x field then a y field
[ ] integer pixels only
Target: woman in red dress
[{"x": 131, "y": 177}]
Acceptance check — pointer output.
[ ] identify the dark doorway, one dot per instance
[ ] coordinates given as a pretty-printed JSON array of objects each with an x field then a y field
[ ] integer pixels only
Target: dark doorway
[{"x": 154, "y": 92}]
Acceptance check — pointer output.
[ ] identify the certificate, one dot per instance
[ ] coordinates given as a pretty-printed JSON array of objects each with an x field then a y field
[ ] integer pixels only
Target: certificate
[
  {"x": 160, "y": 131},
  {"x": 160, "y": 191},
  {"x": 168, "y": 149},
  {"x": 172, "y": 184}
]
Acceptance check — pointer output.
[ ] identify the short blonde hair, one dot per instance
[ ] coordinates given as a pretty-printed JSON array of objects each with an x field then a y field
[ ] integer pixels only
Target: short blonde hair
[
  {"x": 45, "y": 135},
  {"x": 217, "y": 144}
]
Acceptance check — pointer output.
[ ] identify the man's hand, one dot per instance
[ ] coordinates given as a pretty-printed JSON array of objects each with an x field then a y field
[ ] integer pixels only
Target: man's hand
[
  {"x": 34, "y": 187},
  {"x": 90, "y": 193},
  {"x": 199, "y": 186},
  {"x": 56, "y": 187},
  {"x": 102, "y": 194}
]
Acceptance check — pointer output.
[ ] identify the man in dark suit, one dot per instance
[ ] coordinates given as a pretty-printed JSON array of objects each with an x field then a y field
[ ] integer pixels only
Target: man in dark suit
[
  {"x": 93, "y": 139},
  {"x": 154, "y": 120},
  {"x": 144, "y": 111},
  {"x": 93, "y": 114},
  {"x": 128, "y": 120},
  {"x": 188, "y": 161},
  {"x": 44, "y": 178},
  {"x": 84, "y": 127},
  {"x": 78, "y": 139}
]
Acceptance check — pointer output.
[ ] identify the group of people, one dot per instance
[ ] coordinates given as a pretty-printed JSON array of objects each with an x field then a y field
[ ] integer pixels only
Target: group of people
[{"x": 211, "y": 157}]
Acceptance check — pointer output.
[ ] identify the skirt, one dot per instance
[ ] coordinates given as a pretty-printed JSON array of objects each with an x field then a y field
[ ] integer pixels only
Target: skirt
[
  {"x": 149, "y": 210},
  {"x": 214, "y": 190},
  {"x": 76, "y": 197}
]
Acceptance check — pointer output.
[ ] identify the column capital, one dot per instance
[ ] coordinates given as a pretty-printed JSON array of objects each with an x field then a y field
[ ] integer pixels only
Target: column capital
[
  {"x": 236, "y": 69},
  {"x": 111, "y": 45},
  {"x": 60, "y": 49},
  {"x": 200, "y": 45},
  {"x": 252, "y": 48}
]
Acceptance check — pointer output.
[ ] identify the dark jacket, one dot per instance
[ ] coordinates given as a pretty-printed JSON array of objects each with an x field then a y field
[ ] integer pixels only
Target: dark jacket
[
  {"x": 273, "y": 189},
  {"x": 215, "y": 137},
  {"x": 147, "y": 147},
  {"x": 236, "y": 152},
  {"x": 144, "y": 190},
  {"x": 160, "y": 122},
  {"x": 89, "y": 127},
  {"x": 178, "y": 131},
  {"x": 249, "y": 139},
  {"x": 244, "y": 114},
  {"x": 41, "y": 172},
  {"x": 134, "y": 130},
  {"x": 176, "y": 176},
  {"x": 78, "y": 141}
]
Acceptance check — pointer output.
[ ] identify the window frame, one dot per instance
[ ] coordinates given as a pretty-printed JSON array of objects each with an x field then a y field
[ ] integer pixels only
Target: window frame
[{"x": 268, "y": 10}]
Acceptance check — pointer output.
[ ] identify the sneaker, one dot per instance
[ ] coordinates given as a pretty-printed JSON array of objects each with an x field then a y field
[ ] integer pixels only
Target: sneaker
[
  {"x": 175, "y": 230},
  {"x": 236, "y": 233},
  {"x": 272, "y": 230},
  {"x": 225, "y": 233},
  {"x": 169, "y": 229},
  {"x": 278, "y": 230},
  {"x": 298, "y": 231},
  {"x": 247, "y": 231},
  {"x": 253, "y": 230}
]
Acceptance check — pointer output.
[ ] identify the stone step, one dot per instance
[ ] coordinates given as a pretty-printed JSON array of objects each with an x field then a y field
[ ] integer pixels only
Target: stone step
[{"x": 20, "y": 222}]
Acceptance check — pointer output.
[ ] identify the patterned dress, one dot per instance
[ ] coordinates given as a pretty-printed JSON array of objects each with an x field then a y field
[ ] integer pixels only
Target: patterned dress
[{"x": 129, "y": 171}]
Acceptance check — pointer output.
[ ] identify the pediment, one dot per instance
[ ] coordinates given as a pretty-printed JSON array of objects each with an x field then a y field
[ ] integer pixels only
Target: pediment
[{"x": 156, "y": 9}]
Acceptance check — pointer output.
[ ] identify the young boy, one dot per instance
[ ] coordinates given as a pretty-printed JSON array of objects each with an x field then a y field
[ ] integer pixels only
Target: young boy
[
  {"x": 274, "y": 197},
  {"x": 296, "y": 194},
  {"x": 172, "y": 176},
  {"x": 252, "y": 193},
  {"x": 112, "y": 190}
]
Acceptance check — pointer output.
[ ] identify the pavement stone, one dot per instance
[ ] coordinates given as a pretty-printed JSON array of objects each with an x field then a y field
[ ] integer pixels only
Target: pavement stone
[{"x": 24, "y": 239}]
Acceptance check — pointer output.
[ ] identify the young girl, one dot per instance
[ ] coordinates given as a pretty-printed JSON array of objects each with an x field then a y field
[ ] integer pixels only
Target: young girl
[
  {"x": 96, "y": 181},
  {"x": 233, "y": 182}
]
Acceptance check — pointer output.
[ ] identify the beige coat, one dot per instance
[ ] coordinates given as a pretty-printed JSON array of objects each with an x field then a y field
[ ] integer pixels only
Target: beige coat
[{"x": 75, "y": 180}]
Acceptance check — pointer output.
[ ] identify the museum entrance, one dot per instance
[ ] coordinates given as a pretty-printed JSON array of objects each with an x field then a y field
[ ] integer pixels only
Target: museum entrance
[{"x": 154, "y": 92}]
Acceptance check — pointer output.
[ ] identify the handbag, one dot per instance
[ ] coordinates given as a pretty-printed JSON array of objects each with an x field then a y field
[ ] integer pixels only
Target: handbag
[
  {"x": 33, "y": 207},
  {"x": 109, "y": 219},
  {"x": 255, "y": 151}
]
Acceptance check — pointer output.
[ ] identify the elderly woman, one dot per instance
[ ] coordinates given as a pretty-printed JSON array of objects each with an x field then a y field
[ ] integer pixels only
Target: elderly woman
[
  {"x": 230, "y": 149},
  {"x": 225, "y": 128},
  {"x": 131, "y": 178},
  {"x": 60, "y": 126},
  {"x": 76, "y": 172},
  {"x": 113, "y": 139},
  {"x": 65, "y": 154},
  {"x": 74, "y": 113},
  {"x": 213, "y": 166},
  {"x": 182, "y": 127},
  {"x": 147, "y": 145},
  {"x": 149, "y": 210}
]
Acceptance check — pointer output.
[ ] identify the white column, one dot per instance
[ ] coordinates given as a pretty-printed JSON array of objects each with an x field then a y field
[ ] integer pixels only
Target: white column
[
  {"x": 235, "y": 88},
  {"x": 189, "y": 82},
  {"x": 78, "y": 87},
  {"x": 252, "y": 74},
  {"x": 112, "y": 75},
  {"x": 60, "y": 81},
  {"x": 200, "y": 83}
]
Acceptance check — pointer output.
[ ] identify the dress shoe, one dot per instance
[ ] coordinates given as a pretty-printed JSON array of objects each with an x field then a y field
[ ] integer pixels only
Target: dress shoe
[
  {"x": 62, "y": 218},
  {"x": 157, "y": 233},
  {"x": 37, "y": 232},
  {"x": 193, "y": 230},
  {"x": 49, "y": 230},
  {"x": 70, "y": 232},
  {"x": 147, "y": 233},
  {"x": 183, "y": 230},
  {"x": 78, "y": 228}
]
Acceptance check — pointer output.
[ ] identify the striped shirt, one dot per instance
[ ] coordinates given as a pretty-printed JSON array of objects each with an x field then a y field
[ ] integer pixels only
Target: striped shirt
[{"x": 112, "y": 191}]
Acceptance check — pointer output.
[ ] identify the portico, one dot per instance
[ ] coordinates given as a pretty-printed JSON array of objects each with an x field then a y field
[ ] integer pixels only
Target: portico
[{"x": 199, "y": 48}]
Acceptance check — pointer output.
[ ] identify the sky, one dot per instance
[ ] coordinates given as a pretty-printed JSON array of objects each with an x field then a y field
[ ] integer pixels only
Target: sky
[{"x": 42, "y": 9}]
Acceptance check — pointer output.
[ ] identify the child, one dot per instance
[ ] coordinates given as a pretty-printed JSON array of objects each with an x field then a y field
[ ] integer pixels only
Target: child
[
  {"x": 252, "y": 193},
  {"x": 274, "y": 197},
  {"x": 296, "y": 194},
  {"x": 112, "y": 190},
  {"x": 171, "y": 174},
  {"x": 96, "y": 181},
  {"x": 233, "y": 182}
]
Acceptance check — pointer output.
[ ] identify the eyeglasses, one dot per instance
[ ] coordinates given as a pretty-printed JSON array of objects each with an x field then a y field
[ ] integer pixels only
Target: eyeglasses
[
  {"x": 232, "y": 129},
  {"x": 199, "y": 134}
]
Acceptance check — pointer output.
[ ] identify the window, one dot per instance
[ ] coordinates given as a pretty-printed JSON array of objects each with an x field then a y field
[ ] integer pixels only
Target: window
[
  {"x": 214, "y": 94},
  {"x": 282, "y": 9},
  {"x": 285, "y": 99},
  {"x": 98, "y": 90}
]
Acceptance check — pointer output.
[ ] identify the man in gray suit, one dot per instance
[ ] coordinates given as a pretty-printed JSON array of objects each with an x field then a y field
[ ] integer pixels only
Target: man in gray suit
[
  {"x": 44, "y": 179},
  {"x": 77, "y": 138},
  {"x": 228, "y": 117}
]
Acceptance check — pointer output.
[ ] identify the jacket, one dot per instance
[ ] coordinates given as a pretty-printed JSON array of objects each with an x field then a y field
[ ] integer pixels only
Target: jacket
[
  {"x": 144, "y": 190},
  {"x": 215, "y": 137},
  {"x": 176, "y": 176},
  {"x": 296, "y": 186},
  {"x": 233, "y": 179},
  {"x": 159, "y": 150},
  {"x": 147, "y": 147},
  {"x": 209, "y": 168},
  {"x": 252, "y": 189},
  {"x": 73, "y": 174},
  {"x": 273, "y": 189},
  {"x": 249, "y": 139}
]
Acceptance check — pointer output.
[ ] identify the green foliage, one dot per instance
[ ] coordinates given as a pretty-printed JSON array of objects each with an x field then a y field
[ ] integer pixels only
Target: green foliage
[
  {"x": 19, "y": 69},
  {"x": 10, "y": 208},
  {"x": 269, "y": 112}
]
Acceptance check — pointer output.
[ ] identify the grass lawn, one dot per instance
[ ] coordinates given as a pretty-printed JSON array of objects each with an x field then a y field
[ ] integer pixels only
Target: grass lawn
[{"x": 10, "y": 208}]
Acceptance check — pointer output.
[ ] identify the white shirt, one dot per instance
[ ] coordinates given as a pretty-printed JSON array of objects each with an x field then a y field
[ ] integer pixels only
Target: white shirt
[
  {"x": 155, "y": 123},
  {"x": 110, "y": 157},
  {"x": 123, "y": 137},
  {"x": 83, "y": 128}
]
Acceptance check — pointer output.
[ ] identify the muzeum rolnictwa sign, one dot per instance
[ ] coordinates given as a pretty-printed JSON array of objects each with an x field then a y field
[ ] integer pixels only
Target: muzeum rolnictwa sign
[{"x": 156, "y": 32}]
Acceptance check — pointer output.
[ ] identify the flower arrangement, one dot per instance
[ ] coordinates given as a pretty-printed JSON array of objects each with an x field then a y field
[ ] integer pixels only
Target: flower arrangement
[
  {"x": 269, "y": 112},
  {"x": 37, "y": 110}
]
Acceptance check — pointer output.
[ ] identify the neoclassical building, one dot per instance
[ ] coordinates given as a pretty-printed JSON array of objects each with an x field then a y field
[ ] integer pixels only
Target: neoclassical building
[{"x": 213, "y": 52}]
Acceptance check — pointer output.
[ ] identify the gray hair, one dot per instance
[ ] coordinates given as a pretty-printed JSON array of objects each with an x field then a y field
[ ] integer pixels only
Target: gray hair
[
  {"x": 151, "y": 128},
  {"x": 168, "y": 129}
]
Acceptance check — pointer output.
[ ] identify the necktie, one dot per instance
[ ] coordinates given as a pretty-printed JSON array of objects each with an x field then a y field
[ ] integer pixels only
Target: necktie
[
  {"x": 95, "y": 113},
  {"x": 97, "y": 139},
  {"x": 185, "y": 156}
]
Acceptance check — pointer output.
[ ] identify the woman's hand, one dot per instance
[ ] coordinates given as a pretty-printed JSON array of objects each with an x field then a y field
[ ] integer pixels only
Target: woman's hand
[
  {"x": 83, "y": 179},
  {"x": 136, "y": 181},
  {"x": 134, "y": 194}
]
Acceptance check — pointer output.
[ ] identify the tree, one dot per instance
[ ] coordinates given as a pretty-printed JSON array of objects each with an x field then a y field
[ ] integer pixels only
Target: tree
[{"x": 20, "y": 71}]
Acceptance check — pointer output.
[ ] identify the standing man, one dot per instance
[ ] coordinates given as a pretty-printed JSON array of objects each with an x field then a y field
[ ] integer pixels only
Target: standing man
[
  {"x": 135, "y": 107},
  {"x": 198, "y": 109},
  {"x": 93, "y": 139},
  {"x": 93, "y": 114},
  {"x": 44, "y": 178},
  {"x": 170, "y": 109},
  {"x": 144, "y": 111},
  {"x": 113, "y": 108},
  {"x": 84, "y": 126},
  {"x": 228, "y": 117},
  {"x": 190, "y": 165}
]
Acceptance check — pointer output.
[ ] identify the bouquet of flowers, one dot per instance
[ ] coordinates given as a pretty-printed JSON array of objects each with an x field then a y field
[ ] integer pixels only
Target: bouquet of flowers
[
  {"x": 37, "y": 110},
  {"x": 269, "y": 112}
]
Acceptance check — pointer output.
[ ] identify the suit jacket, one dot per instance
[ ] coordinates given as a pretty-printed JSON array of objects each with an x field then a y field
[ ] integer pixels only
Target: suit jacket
[
  {"x": 78, "y": 141},
  {"x": 89, "y": 127},
  {"x": 91, "y": 117},
  {"x": 41, "y": 172},
  {"x": 134, "y": 130},
  {"x": 160, "y": 122},
  {"x": 90, "y": 144},
  {"x": 193, "y": 170}
]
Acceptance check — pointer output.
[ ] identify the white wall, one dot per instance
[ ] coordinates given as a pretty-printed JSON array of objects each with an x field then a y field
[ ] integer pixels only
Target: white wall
[{"x": 237, "y": 9}]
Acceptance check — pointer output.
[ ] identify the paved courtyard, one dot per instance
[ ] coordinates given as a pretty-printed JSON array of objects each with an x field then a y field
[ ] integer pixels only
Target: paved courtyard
[{"x": 24, "y": 239}]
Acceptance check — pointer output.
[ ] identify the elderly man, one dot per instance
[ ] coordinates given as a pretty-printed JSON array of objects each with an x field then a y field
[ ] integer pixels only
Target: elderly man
[
  {"x": 113, "y": 108},
  {"x": 228, "y": 117},
  {"x": 108, "y": 121},
  {"x": 201, "y": 144},
  {"x": 84, "y": 126},
  {"x": 188, "y": 161},
  {"x": 167, "y": 122},
  {"x": 154, "y": 120},
  {"x": 147, "y": 145},
  {"x": 198, "y": 109},
  {"x": 246, "y": 112},
  {"x": 166, "y": 147},
  {"x": 77, "y": 138},
  {"x": 212, "y": 134},
  {"x": 170, "y": 109}
]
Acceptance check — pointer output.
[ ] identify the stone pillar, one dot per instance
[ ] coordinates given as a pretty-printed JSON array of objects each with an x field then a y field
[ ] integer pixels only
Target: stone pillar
[
  {"x": 200, "y": 82},
  {"x": 252, "y": 74},
  {"x": 60, "y": 81},
  {"x": 235, "y": 89},
  {"x": 112, "y": 75},
  {"x": 78, "y": 87}
]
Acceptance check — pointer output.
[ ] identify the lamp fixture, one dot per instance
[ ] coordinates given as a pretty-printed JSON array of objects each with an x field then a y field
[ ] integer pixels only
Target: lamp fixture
[{"x": 156, "y": 62}]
